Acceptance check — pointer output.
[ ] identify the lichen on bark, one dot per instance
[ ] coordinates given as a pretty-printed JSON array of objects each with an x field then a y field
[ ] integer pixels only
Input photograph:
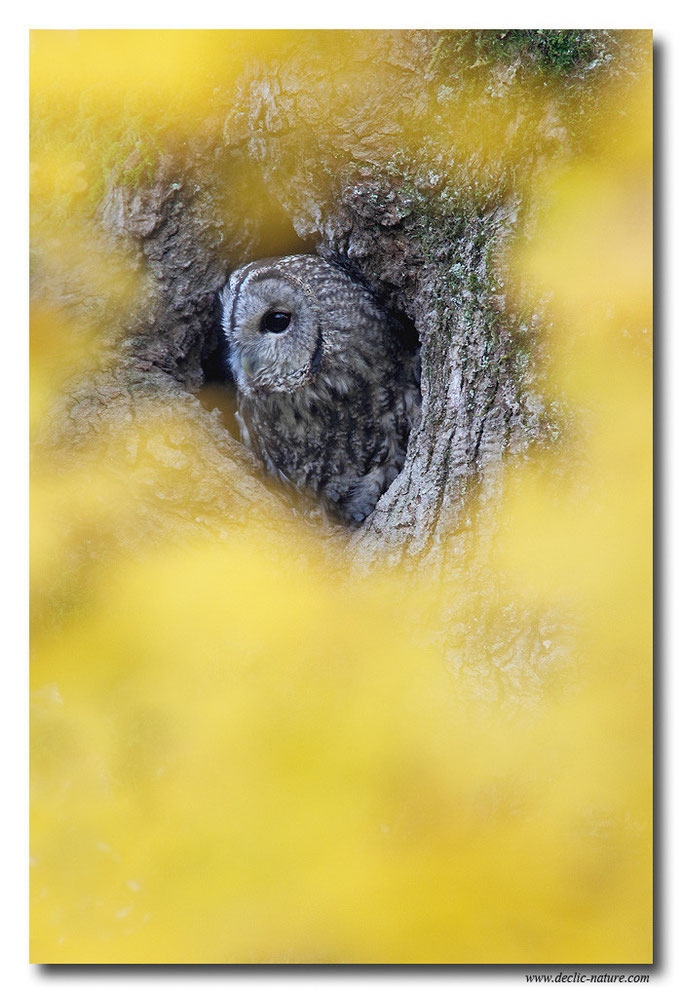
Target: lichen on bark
[{"x": 412, "y": 159}]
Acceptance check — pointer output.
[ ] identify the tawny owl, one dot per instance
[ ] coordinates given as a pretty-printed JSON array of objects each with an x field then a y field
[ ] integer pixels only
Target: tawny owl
[{"x": 328, "y": 391}]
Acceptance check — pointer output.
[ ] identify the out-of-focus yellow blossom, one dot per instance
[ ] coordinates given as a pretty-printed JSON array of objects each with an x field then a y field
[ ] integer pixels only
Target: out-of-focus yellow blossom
[
  {"x": 237, "y": 760},
  {"x": 242, "y": 754}
]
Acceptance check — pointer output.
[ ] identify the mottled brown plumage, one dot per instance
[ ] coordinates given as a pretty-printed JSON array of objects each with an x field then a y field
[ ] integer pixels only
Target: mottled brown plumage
[{"x": 327, "y": 391}]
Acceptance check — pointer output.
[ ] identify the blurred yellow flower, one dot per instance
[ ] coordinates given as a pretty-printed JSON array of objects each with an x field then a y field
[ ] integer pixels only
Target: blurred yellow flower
[{"x": 242, "y": 753}]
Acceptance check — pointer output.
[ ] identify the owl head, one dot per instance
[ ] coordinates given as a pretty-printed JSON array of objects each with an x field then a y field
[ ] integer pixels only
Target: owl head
[{"x": 272, "y": 322}]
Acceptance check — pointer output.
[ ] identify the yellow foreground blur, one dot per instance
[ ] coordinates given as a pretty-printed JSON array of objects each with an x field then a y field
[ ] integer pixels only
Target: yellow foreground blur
[{"x": 240, "y": 754}]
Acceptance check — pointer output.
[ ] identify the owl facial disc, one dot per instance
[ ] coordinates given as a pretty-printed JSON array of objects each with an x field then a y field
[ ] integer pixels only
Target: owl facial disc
[{"x": 272, "y": 324}]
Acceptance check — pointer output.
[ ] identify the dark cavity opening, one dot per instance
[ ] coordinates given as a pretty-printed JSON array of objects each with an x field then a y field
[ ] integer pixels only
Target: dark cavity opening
[{"x": 405, "y": 330}]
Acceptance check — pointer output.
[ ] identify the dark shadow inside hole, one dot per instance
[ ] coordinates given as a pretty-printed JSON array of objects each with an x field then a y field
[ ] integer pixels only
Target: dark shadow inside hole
[
  {"x": 405, "y": 330},
  {"x": 213, "y": 353},
  {"x": 219, "y": 391}
]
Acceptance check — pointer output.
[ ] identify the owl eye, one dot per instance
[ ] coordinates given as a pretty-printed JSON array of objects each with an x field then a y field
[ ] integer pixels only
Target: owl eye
[{"x": 275, "y": 321}]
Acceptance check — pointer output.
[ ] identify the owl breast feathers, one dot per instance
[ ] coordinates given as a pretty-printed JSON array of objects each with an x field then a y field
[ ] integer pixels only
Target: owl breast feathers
[{"x": 327, "y": 391}]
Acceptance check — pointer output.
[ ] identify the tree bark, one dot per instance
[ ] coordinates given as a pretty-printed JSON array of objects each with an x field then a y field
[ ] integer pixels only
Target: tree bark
[{"x": 410, "y": 158}]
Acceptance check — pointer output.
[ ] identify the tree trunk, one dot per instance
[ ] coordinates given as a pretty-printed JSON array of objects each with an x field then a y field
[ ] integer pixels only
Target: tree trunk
[{"x": 411, "y": 158}]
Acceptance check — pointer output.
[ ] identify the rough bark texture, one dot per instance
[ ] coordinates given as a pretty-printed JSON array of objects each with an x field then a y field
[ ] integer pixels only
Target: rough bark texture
[{"x": 365, "y": 148}]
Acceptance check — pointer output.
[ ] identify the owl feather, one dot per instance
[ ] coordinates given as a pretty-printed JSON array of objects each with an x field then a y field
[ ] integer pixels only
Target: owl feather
[{"x": 327, "y": 391}]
